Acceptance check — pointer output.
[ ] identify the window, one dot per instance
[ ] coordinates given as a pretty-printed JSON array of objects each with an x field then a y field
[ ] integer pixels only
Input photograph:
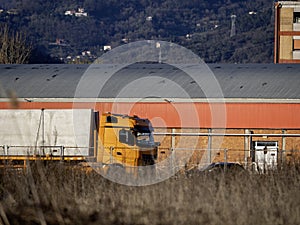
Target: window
[
  {"x": 126, "y": 136},
  {"x": 266, "y": 143},
  {"x": 111, "y": 119},
  {"x": 143, "y": 136},
  {"x": 296, "y": 17},
  {"x": 296, "y": 44}
]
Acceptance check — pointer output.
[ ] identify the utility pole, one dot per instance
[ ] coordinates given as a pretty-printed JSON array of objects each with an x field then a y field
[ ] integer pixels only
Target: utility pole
[{"x": 233, "y": 30}]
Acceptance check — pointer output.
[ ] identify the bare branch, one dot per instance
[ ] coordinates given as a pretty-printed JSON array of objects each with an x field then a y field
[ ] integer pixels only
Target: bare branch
[{"x": 13, "y": 47}]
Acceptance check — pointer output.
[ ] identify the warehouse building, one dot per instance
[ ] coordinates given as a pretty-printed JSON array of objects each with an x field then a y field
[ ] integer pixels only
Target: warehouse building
[
  {"x": 230, "y": 112},
  {"x": 287, "y": 32}
]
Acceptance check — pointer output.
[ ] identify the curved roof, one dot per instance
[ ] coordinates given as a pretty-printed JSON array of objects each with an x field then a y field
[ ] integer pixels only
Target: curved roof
[{"x": 146, "y": 80}]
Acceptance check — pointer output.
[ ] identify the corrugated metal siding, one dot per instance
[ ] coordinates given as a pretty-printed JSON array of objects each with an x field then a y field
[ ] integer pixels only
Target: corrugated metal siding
[
  {"x": 238, "y": 115},
  {"x": 271, "y": 81}
]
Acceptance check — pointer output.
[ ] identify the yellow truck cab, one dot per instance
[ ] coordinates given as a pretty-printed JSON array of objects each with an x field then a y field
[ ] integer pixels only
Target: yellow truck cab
[{"x": 126, "y": 141}]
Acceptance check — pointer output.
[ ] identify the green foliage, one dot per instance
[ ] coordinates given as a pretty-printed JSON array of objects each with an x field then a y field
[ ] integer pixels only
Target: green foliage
[{"x": 111, "y": 22}]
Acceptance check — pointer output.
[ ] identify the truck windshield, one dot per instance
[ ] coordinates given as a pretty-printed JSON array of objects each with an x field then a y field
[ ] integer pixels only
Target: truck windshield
[
  {"x": 145, "y": 137},
  {"x": 143, "y": 131}
]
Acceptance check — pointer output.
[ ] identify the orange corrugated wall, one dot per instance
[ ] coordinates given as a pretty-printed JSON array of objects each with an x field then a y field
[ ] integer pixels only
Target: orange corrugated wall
[{"x": 163, "y": 114}]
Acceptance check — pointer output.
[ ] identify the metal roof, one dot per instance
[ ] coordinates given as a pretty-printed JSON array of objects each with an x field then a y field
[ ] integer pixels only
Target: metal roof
[{"x": 148, "y": 80}]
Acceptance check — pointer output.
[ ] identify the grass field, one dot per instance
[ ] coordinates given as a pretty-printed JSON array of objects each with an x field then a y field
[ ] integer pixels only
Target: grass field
[{"x": 54, "y": 194}]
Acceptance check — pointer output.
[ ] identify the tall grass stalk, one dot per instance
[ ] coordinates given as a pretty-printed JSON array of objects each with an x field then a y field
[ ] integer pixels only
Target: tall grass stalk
[{"x": 56, "y": 194}]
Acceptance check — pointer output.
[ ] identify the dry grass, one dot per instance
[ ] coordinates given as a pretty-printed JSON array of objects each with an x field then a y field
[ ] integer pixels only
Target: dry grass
[{"x": 54, "y": 194}]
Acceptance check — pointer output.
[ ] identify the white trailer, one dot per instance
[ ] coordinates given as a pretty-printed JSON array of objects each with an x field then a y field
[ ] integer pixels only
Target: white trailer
[{"x": 47, "y": 133}]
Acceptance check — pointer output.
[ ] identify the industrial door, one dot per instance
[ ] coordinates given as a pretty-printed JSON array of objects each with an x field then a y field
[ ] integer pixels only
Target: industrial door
[{"x": 266, "y": 155}]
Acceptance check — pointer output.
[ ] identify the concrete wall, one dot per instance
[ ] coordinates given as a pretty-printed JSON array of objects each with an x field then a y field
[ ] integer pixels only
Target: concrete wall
[
  {"x": 286, "y": 47},
  {"x": 286, "y": 41},
  {"x": 286, "y": 19}
]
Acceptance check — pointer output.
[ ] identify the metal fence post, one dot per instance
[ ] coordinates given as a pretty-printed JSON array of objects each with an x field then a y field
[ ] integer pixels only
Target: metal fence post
[
  {"x": 283, "y": 151},
  {"x": 209, "y": 144},
  {"x": 246, "y": 147},
  {"x": 111, "y": 149},
  {"x": 6, "y": 150},
  {"x": 172, "y": 150},
  {"x": 172, "y": 161},
  {"x": 225, "y": 158},
  {"x": 62, "y": 153}
]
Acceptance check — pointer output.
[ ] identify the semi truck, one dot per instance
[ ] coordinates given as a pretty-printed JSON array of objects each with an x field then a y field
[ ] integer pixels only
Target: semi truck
[{"x": 76, "y": 135}]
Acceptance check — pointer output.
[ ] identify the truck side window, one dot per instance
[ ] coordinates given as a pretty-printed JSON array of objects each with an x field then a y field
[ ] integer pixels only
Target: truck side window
[
  {"x": 122, "y": 136},
  {"x": 126, "y": 136},
  {"x": 111, "y": 119}
]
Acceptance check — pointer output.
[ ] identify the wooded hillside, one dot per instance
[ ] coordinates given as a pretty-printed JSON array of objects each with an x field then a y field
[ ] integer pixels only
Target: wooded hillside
[{"x": 77, "y": 30}]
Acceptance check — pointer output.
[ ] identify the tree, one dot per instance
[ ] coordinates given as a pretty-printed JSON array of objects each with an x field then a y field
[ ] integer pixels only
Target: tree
[{"x": 13, "y": 47}]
